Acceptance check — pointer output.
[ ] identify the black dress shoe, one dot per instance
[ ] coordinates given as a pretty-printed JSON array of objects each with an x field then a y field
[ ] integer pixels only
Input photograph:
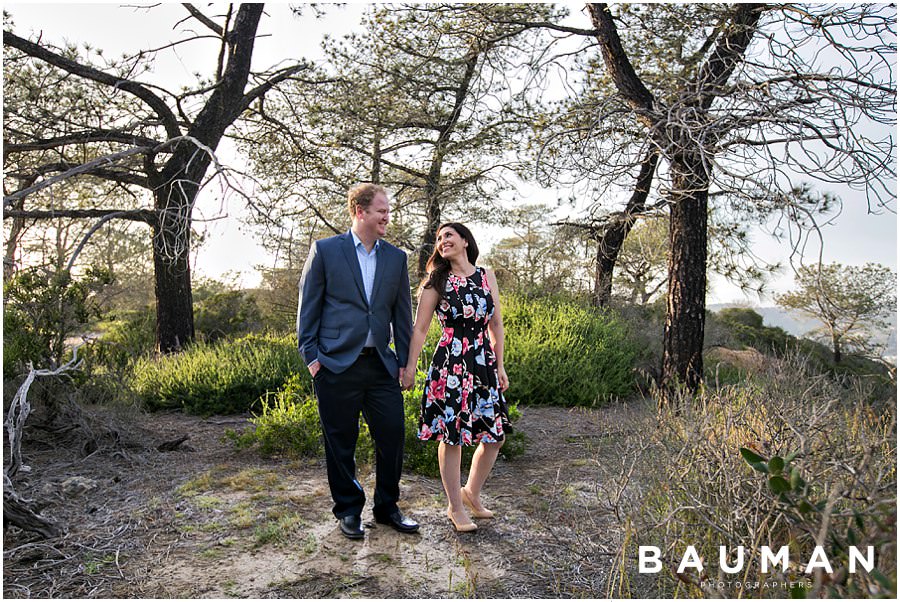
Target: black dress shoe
[
  {"x": 399, "y": 522},
  {"x": 351, "y": 527}
]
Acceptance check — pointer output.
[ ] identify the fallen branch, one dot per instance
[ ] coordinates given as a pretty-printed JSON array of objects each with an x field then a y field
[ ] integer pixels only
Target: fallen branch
[
  {"x": 17, "y": 510},
  {"x": 172, "y": 445}
]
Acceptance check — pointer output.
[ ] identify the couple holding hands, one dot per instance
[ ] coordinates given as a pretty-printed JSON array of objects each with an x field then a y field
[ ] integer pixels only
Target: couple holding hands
[{"x": 354, "y": 300}]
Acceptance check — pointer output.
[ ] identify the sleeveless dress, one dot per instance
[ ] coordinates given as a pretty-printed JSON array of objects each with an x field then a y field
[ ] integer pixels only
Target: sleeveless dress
[{"x": 462, "y": 404}]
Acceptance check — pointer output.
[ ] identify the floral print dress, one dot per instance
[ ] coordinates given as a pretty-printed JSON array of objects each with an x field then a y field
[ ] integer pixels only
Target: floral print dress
[{"x": 462, "y": 404}]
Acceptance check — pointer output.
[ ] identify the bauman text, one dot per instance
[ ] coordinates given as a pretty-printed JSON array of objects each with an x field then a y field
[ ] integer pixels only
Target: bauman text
[{"x": 649, "y": 561}]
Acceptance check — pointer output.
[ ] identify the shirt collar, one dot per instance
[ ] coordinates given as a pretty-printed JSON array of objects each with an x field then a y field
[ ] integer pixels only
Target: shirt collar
[{"x": 357, "y": 241}]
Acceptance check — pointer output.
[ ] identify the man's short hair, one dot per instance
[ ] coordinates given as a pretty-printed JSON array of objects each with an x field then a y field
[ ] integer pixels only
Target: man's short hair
[{"x": 362, "y": 196}]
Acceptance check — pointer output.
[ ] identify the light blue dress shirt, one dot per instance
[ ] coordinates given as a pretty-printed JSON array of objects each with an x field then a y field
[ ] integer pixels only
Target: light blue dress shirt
[{"x": 368, "y": 261}]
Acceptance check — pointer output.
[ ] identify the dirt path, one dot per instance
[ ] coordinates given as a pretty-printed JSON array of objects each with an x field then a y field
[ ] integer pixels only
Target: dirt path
[{"x": 215, "y": 522}]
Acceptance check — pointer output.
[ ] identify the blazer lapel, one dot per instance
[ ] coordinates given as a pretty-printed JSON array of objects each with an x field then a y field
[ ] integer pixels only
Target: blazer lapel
[{"x": 353, "y": 264}]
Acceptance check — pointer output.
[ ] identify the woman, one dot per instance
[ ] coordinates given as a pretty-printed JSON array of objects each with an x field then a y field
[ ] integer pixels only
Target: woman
[{"x": 463, "y": 401}]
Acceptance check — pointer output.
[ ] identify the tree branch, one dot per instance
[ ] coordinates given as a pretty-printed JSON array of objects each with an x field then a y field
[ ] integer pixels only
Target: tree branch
[
  {"x": 270, "y": 83},
  {"x": 728, "y": 53},
  {"x": 95, "y": 135},
  {"x": 80, "y": 169},
  {"x": 617, "y": 63},
  {"x": 215, "y": 27},
  {"x": 122, "y": 177},
  {"x": 170, "y": 122},
  {"x": 146, "y": 216}
]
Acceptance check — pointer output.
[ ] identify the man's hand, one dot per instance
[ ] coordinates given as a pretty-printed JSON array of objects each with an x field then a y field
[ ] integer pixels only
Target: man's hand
[
  {"x": 314, "y": 368},
  {"x": 407, "y": 379}
]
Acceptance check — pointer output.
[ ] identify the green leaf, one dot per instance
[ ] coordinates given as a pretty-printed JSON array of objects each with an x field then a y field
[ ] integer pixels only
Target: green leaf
[
  {"x": 751, "y": 457},
  {"x": 883, "y": 581},
  {"x": 760, "y": 466},
  {"x": 790, "y": 457},
  {"x": 851, "y": 536},
  {"x": 776, "y": 465},
  {"x": 797, "y": 482},
  {"x": 798, "y": 591},
  {"x": 804, "y": 507},
  {"x": 778, "y": 484},
  {"x": 859, "y": 520}
]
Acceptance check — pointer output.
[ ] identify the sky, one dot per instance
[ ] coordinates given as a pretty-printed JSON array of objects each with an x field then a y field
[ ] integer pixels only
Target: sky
[{"x": 854, "y": 237}]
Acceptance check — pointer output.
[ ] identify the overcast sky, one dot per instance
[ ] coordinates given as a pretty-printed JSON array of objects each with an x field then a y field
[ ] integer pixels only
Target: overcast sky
[{"x": 854, "y": 237}]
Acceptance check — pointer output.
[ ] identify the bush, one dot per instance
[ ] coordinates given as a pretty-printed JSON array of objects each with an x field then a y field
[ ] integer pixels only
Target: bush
[
  {"x": 225, "y": 377},
  {"x": 125, "y": 336},
  {"x": 562, "y": 353},
  {"x": 288, "y": 423},
  {"x": 790, "y": 458},
  {"x": 41, "y": 309},
  {"x": 745, "y": 327},
  {"x": 226, "y": 314}
]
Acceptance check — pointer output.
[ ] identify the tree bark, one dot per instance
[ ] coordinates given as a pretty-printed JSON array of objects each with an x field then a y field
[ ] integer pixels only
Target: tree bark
[
  {"x": 172, "y": 285},
  {"x": 836, "y": 346},
  {"x": 686, "y": 302},
  {"x": 432, "y": 216},
  {"x": 12, "y": 243}
]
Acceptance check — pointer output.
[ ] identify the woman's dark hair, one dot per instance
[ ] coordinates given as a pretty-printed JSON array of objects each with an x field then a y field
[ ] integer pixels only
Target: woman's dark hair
[{"x": 438, "y": 268}]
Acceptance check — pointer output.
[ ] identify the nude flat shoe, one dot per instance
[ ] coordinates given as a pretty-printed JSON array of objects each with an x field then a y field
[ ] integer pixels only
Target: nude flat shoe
[
  {"x": 461, "y": 527},
  {"x": 485, "y": 513}
]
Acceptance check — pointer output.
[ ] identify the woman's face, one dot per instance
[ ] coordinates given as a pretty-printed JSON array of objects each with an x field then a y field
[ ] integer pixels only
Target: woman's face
[{"x": 450, "y": 243}]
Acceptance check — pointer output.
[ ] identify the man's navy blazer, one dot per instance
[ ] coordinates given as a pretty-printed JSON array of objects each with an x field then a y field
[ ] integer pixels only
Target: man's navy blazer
[{"x": 334, "y": 318}]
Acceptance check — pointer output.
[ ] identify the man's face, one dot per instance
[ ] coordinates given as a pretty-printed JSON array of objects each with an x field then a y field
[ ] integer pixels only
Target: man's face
[{"x": 374, "y": 219}]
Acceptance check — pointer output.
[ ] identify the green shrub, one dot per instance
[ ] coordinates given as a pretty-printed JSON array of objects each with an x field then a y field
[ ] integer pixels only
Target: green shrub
[
  {"x": 125, "y": 336},
  {"x": 40, "y": 310},
  {"x": 562, "y": 353},
  {"x": 225, "y": 377},
  {"x": 288, "y": 423},
  {"x": 746, "y": 325},
  {"x": 226, "y": 314}
]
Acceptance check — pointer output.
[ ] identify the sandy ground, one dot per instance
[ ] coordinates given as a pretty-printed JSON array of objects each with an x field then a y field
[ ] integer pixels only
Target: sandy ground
[{"x": 211, "y": 521}]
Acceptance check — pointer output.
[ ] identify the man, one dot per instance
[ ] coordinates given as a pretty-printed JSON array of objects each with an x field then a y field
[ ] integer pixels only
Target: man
[{"x": 354, "y": 292}]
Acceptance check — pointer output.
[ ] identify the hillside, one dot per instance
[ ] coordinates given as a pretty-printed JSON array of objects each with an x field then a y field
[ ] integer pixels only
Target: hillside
[{"x": 800, "y": 325}]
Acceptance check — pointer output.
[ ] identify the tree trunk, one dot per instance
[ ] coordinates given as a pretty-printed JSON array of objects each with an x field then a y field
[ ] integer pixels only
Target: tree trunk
[
  {"x": 375, "y": 177},
  {"x": 433, "y": 220},
  {"x": 609, "y": 244},
  {"x": 12, "y": 241},
  {"x": 433, "y": 181},
  {"x": 432, "y": 206},
  {"x": 686, "y": 303},
  {"x": 174, "y": 300},
  {"x": 172, "y": 269},
  {"x": 177, "y": 185},
  {"x": 604, "y": 263},
  {"x": 836, "y": 345}
]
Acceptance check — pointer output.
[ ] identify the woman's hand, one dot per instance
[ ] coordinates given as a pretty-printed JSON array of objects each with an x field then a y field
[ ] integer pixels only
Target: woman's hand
[{"x": 503, "y": 379}]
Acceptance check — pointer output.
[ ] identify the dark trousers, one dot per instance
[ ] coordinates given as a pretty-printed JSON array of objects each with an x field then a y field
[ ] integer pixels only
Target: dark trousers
[{"x": 365, "y": 387}]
